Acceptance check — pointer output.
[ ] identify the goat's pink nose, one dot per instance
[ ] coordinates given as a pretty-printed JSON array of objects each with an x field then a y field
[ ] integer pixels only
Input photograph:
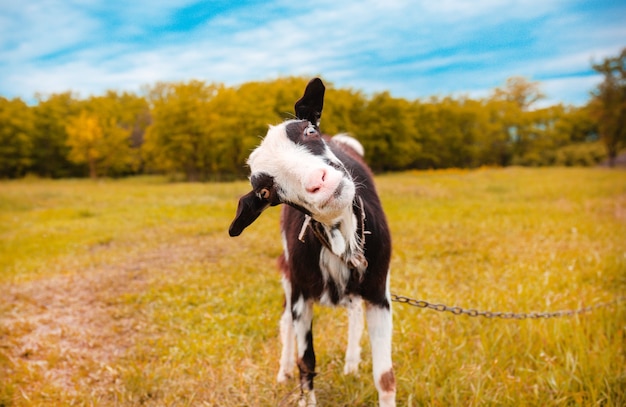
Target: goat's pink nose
[{"x": 315, "y": 180}]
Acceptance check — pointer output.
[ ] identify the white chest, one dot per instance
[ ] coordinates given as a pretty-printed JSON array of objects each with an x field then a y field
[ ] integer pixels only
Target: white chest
[{"x": 335, "y": 272}]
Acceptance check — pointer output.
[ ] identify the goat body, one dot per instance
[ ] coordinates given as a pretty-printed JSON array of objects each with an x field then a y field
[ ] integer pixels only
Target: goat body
[{"x": 336, "y": 242}]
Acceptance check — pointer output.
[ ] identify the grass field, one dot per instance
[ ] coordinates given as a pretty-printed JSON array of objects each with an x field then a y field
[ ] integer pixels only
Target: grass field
[{"x": 130, "y": 292}]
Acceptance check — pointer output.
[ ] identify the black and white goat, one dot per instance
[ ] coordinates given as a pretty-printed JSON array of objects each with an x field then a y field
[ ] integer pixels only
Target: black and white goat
[{"x": 336, "y": 240}]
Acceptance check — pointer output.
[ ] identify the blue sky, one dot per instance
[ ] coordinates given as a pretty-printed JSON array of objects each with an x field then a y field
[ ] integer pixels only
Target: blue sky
[{"x": 414, "y": 49}]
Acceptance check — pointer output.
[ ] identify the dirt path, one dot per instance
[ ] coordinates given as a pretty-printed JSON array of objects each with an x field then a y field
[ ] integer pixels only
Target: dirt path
[{"x": 64, "y": 332}]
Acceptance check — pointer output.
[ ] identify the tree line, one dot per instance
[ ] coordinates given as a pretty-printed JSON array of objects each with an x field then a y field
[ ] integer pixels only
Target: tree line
[{"x": 205, "y": 131}]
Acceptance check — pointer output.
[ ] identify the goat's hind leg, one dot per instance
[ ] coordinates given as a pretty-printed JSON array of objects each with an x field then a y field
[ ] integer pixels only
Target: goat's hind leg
[
  {"x": 355, "y": 331},
  {"x": 379, "y": 326}
]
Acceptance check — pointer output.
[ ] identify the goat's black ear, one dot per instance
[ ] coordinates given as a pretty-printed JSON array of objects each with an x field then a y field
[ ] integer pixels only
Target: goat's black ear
[
  {"x": 309, "y": 107},
  {"x": 249, "y": 208}
]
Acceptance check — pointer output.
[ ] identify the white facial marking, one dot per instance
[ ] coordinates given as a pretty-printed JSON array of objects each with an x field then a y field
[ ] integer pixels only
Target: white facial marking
[{"x": 302, "y": 177}]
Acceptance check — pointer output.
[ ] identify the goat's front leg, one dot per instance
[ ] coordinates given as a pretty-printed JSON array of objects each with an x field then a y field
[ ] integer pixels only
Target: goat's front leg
[
  {"x": 379, "y": 326},
  {"x": 302, "y": 314},
  {"x": 287, "y": 361},
  {"x": 355, "y": 330}
]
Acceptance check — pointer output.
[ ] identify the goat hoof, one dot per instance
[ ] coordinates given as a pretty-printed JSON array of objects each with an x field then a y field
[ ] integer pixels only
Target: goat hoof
[
  {"x": 351, "y": 367},
  {"x": 307, "y": 399},
  {"x": 283, "y": 377}
]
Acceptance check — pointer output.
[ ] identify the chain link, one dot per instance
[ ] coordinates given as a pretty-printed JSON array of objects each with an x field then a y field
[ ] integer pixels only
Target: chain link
[{"x": 502, "y": 315}]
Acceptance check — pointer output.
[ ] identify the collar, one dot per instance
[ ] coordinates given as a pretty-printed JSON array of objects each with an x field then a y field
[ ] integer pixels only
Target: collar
[{"x": 354, "y": 257}]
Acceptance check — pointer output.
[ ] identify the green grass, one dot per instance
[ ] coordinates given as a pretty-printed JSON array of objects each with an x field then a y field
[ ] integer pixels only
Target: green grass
[{"x": 131, "y": 293}]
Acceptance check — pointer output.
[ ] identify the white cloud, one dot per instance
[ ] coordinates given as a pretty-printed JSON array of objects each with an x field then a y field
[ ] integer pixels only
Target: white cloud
[
  {"x": 414, "y": 49},
  {"x": 42, "y": 29}
]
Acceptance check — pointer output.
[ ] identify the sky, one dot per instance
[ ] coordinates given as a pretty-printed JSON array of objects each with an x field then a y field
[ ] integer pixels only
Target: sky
[{"x": 413, "y": 49}]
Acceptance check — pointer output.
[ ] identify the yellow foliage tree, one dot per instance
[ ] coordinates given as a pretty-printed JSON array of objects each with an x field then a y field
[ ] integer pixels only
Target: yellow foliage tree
[{"x": 85, "y": 137}]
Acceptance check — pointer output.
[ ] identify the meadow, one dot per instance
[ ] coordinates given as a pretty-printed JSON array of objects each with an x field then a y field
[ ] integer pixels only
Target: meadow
[{"x": 130, "y": 292}]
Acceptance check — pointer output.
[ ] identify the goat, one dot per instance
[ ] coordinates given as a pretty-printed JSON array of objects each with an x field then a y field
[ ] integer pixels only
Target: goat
[{"x": 336, "y": 242}]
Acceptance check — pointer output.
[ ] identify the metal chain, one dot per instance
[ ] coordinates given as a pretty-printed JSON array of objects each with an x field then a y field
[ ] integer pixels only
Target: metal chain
[{"x": 503, "y": 315}]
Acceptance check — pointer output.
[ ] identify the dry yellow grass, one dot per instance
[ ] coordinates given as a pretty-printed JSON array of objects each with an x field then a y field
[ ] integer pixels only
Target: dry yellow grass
[{"x": 131, "y": 293}]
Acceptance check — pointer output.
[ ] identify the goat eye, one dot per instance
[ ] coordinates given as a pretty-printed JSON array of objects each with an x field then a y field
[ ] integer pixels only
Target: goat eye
[
  {"x": 310, "y": 131},
  {"x": 264, "y": 193}
]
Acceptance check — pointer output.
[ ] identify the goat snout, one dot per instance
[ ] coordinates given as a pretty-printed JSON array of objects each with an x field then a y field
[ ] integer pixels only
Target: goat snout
[
  {"x": 322, "y": 183},
  {"x": 316, "y": 181}
]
